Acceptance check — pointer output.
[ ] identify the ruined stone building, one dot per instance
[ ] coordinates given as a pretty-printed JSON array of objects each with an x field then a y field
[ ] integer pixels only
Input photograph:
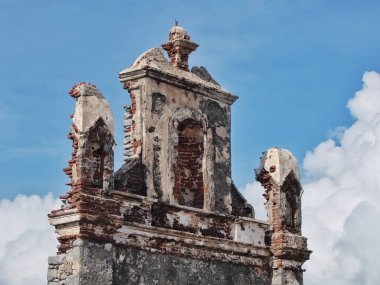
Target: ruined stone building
[{"x": 171, "y": 214}]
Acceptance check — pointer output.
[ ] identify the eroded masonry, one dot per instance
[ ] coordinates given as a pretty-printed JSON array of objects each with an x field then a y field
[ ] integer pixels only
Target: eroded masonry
[{"x": 171, "y": 214}]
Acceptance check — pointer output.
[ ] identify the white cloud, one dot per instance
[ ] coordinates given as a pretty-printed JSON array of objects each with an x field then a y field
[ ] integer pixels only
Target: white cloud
[
  {"x": 26, "y": 239},
  {"x": 365, "y": 105},
  {"x": 341, "y": 208},
  {"x": 253, "y": 192},
  {"x": 347, "y": 253},
  {"x": 341, "y": 202}
]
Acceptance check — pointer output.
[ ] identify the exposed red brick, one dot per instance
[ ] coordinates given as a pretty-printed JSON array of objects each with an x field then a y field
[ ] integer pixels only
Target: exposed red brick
[{"x": 188, "y": 189}]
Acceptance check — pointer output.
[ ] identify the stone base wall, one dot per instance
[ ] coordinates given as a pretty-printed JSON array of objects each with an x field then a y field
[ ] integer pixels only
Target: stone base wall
[{"x": 88, "y": 263}]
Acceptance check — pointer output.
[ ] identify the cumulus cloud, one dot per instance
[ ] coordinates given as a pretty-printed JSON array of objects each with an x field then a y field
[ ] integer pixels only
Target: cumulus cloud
[
  {"x": 341, "y": 202},
  {"x": 26, "y": 239},
  {"x": 253, "y": 192},
  {"x": 341, "y": 207}
]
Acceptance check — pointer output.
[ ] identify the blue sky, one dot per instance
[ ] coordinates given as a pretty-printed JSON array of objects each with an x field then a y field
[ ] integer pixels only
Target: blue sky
[
  {"x": 294, "y": 65},
  {"x": 300, "y": 68}
]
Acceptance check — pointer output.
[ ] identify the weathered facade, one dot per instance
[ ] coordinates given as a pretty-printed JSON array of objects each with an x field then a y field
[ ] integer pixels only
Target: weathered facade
[{"x": 171, "y": 214}]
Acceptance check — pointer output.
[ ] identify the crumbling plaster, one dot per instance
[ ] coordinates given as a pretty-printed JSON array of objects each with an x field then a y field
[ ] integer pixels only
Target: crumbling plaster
[
  {"x": 159, "y": 127},
  {"x": 127, "y": 226}
]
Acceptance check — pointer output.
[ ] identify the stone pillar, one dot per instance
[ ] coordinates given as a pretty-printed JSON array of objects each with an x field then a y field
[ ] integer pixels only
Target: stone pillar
[
  {"x": 279, "y": 175},
  {"x": 86, "y": 210},
  {"x": 92, "y": 134}
]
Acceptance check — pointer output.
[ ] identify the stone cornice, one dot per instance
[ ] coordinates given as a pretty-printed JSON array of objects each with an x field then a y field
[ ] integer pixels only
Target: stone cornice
[
  {"x": 188, "y": 244},
  {"x": 182, "y": 82}
]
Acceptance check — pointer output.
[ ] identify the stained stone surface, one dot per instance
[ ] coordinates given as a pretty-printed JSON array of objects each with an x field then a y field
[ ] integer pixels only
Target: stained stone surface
[{"x": 171, "y": 214}]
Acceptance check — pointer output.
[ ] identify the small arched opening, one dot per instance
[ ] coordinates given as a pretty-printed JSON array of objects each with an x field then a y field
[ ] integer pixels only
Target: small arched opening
[
  {"x": 188, "y": 166},
  {"x": 98, "y": 154},
  {"x": 291, "y": 192}
]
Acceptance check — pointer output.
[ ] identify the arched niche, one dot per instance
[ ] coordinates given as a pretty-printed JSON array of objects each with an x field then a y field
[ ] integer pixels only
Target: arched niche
[
  {"x": 99, "y": 154},
  {"x": 291, "y": 192},
  {"x": 188, "y": 165},
  {"x": 189, "y": 177}
]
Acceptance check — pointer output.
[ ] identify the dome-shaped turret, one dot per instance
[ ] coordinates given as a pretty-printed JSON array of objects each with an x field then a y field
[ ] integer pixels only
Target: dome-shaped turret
[
  {"x": 179, "y": 47},
  {"x": 177, "y": 33}
]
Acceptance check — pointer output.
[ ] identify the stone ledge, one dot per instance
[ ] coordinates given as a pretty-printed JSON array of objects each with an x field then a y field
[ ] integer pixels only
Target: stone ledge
[
  {"x": 174, "y": 242},
  {"x": 182, "y": 82}
]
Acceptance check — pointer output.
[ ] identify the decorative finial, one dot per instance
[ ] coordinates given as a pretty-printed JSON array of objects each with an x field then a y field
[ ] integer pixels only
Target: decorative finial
[{"x": 179, "y": 46}]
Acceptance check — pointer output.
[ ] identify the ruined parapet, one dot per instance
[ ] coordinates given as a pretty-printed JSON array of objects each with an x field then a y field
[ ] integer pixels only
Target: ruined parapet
[
  {"x": 171, "y": 214},
  {"x": 90, "y": 168},
  {"x": 86, "y": 211},
  {"x": 180, "y": 129},
  {"x": 279, "y": 174},
  {"x": 92, "y": 132}
]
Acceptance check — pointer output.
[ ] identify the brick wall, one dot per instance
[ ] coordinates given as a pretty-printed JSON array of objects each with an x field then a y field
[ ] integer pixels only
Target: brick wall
[{"x": 189, "y": 188}]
